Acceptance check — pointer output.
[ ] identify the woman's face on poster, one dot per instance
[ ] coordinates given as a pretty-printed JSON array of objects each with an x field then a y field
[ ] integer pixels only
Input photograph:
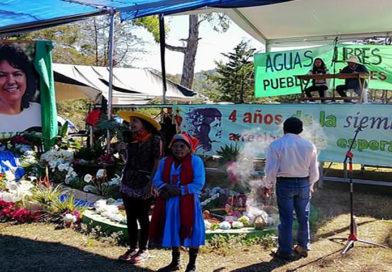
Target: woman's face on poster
[
  {"x": 12, "y": 83},
  {"x": 216, "y": 129}
]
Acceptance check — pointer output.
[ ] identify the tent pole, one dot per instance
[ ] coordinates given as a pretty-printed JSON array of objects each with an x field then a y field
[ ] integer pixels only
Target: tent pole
[
  {"x": 110, "y": 93},
  {"x": 162, "y": 44},
  {"x": 267, "y": 46}
]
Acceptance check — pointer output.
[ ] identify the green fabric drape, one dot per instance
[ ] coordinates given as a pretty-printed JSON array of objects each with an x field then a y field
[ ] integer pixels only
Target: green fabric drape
[{"x": 43, "y": 65}]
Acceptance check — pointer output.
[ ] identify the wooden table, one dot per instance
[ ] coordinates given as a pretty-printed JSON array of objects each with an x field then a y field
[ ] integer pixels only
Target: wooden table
[{"x": 305, "y": 79}]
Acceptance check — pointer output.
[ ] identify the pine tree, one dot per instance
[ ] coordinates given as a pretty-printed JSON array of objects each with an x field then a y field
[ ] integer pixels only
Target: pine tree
[{"x": 235, "y": 78}]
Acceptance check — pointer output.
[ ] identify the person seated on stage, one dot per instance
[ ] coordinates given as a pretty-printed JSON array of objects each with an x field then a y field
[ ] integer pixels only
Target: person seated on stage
[
  {"x": 319, "y": 85},
  {"x": 353, "y": 66}
]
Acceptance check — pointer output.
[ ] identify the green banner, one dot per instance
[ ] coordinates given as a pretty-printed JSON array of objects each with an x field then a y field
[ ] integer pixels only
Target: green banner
[
  {"x": 275, "y": 71},
  {"x": 43, "y": 65},
  {"x": 331, "y": 127}
]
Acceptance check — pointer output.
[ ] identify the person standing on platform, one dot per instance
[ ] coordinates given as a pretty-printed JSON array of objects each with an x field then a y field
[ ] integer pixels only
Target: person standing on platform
[
  {"x": 291, "y": 164},
  {"x": 353, "y": 66},
  {"x": 143, "y": 149},
  {"x": 319, "y": 85},
  {"x": 177, "y": 218}
]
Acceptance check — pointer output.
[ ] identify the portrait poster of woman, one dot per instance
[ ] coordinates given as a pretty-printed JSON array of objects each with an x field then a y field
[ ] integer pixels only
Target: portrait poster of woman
[
  {"x": 20, "y": 109},
  {"x": 206, "y": 125}
]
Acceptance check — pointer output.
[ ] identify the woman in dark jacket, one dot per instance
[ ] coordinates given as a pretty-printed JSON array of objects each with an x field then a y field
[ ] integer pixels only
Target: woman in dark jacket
[
  {"x": 143, "y": 151},
  {"x": 319, "y": 85}
]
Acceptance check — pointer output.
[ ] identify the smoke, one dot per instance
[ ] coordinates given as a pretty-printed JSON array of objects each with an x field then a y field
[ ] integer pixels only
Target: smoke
[
  {"x": 248, "y": 176},
  {"x": 244, "y": 167},
  {"x": 312, "y": 131}
]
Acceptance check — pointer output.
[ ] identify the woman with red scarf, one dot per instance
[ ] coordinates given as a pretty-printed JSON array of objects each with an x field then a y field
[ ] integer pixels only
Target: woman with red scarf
[
  {"x": 143, "y": 149},
  {"x": 177, "y": 218}
]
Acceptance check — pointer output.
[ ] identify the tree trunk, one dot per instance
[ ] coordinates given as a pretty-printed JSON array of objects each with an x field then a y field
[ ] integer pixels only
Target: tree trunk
[
  {"x": 96, "y": 41},
  {"x": 188, "y": 68}
]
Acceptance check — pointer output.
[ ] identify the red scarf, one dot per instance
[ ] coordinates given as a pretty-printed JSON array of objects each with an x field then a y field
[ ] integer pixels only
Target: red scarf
[
  {"x": 141, "y": 136},
  {"x": 187, "y": 203}
]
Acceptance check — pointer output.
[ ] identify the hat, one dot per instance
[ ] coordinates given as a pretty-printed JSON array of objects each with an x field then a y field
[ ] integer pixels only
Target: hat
[
  {"x": 126, "y": 115},
  {"x": 353, "y": 59},
  {"x": 189, "y": 140}
]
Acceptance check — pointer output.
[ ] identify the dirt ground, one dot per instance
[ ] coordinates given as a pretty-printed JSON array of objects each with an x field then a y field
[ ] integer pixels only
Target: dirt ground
[{"x": 43, "y": 247}]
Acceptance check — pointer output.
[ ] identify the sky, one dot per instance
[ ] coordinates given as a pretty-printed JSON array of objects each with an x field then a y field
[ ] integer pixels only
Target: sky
[{"x": 211, "y": 45}]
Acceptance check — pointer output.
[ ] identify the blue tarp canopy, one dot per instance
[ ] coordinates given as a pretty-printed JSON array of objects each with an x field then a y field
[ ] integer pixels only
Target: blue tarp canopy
[{"x": 22, "y": 15}]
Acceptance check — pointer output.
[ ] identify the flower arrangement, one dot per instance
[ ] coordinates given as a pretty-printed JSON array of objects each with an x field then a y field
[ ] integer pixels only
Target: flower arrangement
[
  {"x": 237, "y": 225},
  {"x": 9, "y": 211},
  {"x": 109, "y": 211},
  {"x": 106, "y": 158},
  {"x": 59, "y": 162},
  {"x": 70, "y": 218},
  {"x": 98, "y": 184},
  {"x": 224, "y": 225},
  {"x": 16, "y": 191}
]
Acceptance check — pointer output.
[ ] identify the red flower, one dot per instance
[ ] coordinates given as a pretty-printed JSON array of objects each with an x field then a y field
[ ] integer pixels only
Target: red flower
[
  {"x": 21, "y": 215},
  {"x": 18, "y": 139},
  {"x": 6, "y": 204},
  {"x": 6, "y": 212},
  {"x": 106, "y": 158}
]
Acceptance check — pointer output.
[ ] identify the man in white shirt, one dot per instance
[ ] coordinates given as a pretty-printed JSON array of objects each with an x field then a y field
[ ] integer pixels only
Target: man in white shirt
[{"x": 291, "y": 163}]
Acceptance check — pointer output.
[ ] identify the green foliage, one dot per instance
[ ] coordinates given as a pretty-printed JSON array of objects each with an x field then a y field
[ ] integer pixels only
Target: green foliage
[
  {"x": 103, "y": 235},
  {"x": 222, "y": 244},
  {"x": 75, "y": 110},
  {"x": 34, "y": 138},
  {"x": 228, "y": 153},
  {"x": 46, "y": 197},
  {"x": 151, "y": 24},
  {"x": 2, "y": 183},
  {"x": 235, "y": 78},
  {"x": 68, "y": 205},
  {"x": 220, "y": 22},
  {"x": 77, "y": 184},
  {"x": 100, "y": 187},
  {"x": 86, "y": 42},
  {"x": 88, "y": 153}
]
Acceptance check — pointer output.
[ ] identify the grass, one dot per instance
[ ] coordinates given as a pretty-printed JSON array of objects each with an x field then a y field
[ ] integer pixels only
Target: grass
[{"x": 45, "y": 247}]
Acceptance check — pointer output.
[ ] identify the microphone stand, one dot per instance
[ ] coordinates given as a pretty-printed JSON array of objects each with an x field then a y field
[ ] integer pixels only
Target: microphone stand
[
  {"x": 333, "y": 64},
  {"x": 352, "y": 238}
]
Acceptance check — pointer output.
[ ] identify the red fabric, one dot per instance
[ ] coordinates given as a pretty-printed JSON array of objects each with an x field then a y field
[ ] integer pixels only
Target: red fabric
[
  {"x": 93, "y": 117},
  {"x": 142, "y": 136},
  {"x": 187, "y": 203}
]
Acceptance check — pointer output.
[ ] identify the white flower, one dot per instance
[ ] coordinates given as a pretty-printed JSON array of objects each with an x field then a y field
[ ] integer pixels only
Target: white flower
[
  {"x": 63, "y": 166},
  {"x": 25, "y": 185},
  {"x": 68, "y": 179},
  {"x": 237, "y": 225},
  {"x": 100, "y": 173},
  {"x": 99, "y": 203},
  {"x": 11, "y": 185},
  {"x": 90, "y": 188},
  {"x": 88, "y": 178},
  {"x": 114, "y": 181},
  {"x": 32, "y": 178},
  {"x": 9, "y": 197},
  {"x": 68, "y": 218},
  {"x": 207, "y": 224},
  {"x": 29, "y": 153},
  {"x": 52, "y": 164},
  {"x": 224, "y": 225}
]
